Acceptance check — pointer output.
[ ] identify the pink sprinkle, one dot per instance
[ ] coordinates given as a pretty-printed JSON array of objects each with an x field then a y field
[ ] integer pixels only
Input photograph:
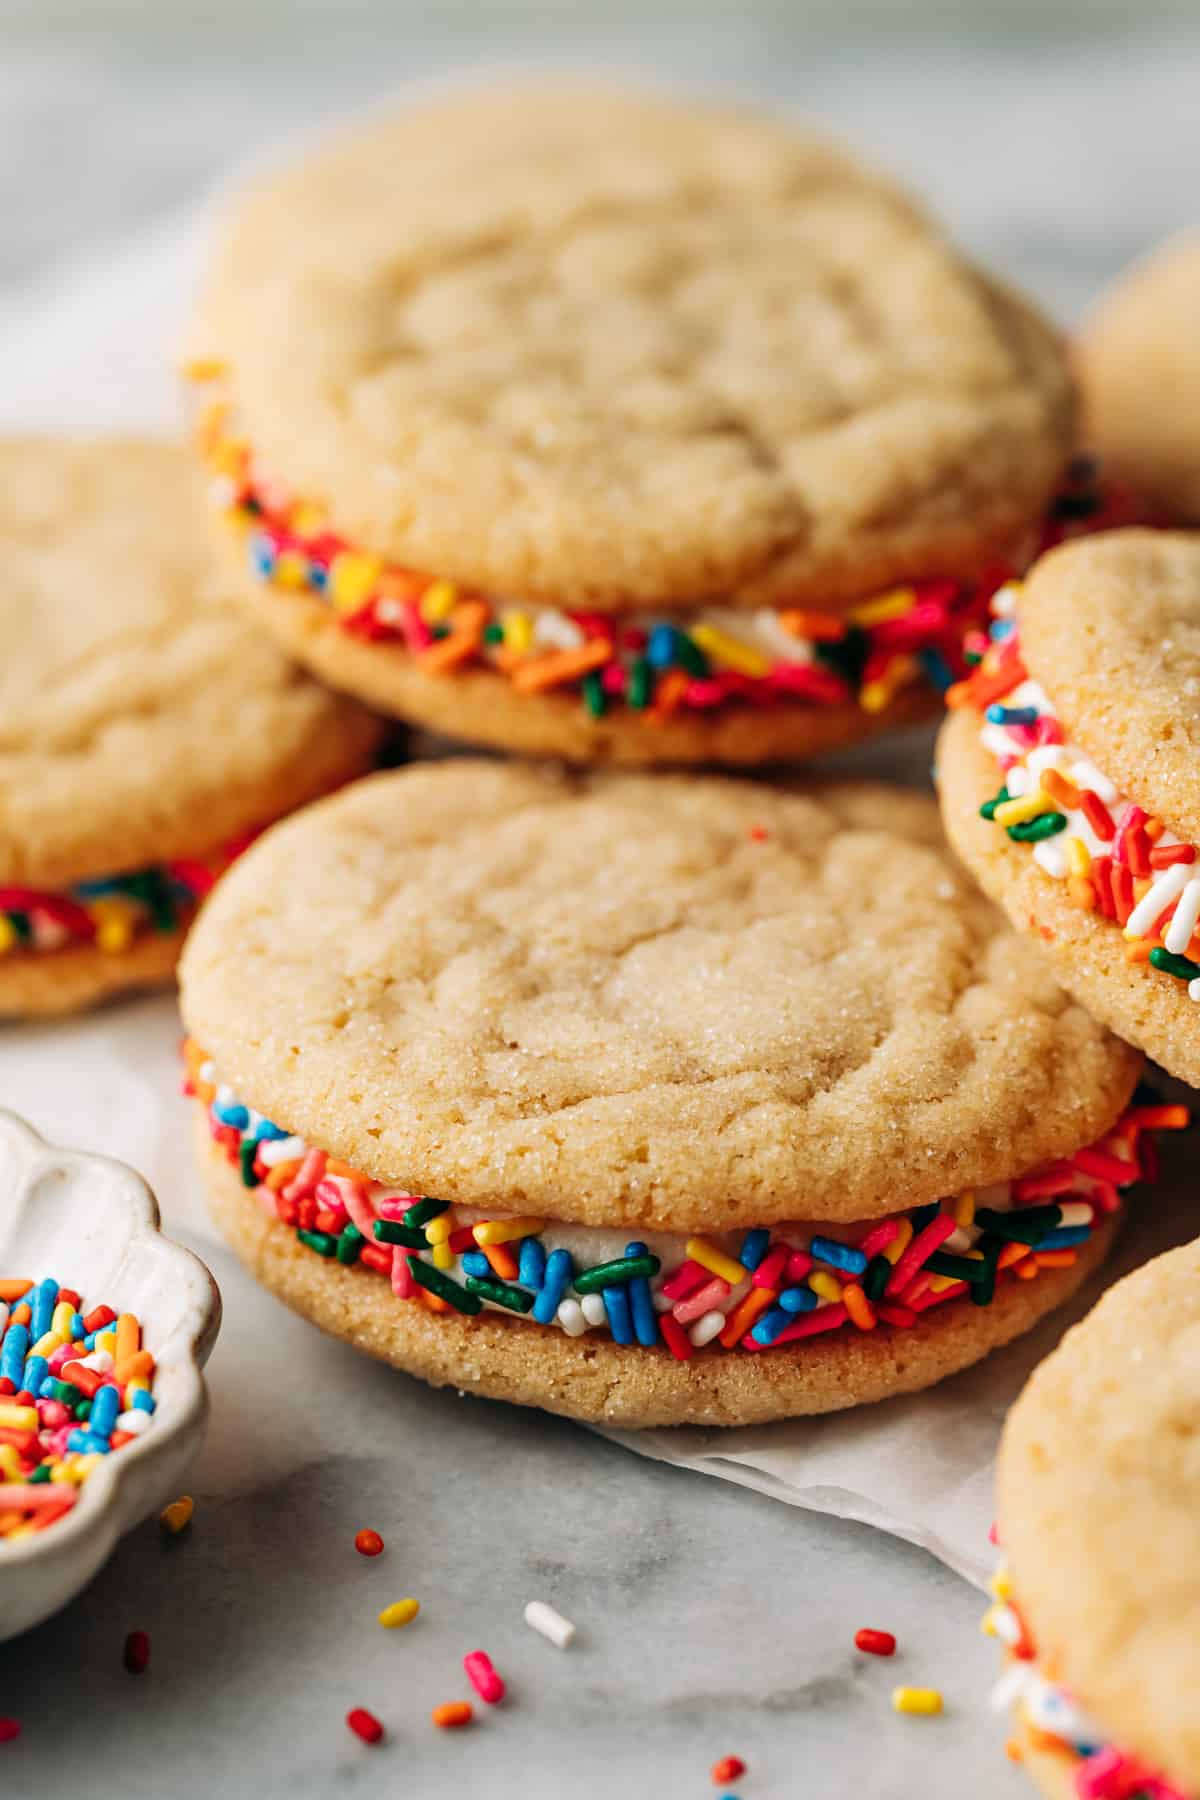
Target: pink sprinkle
[
  {"x": 403, "y": 1285},
  {"x": 880, "y": 1238},
  {"x": 394, "y": 1206},
  {"x": 306, "y": 1177},
  {"x": 686, "y": 1279},
  {"x": 826, "y": 1318},
  {"x": 698, "y": 1304},
  {"x": 800, "y": 1264},
  {"x": 483, "y": 1677},
  {"x": 770, "y": 1269},
  {"x": 921, "y": 1248}
]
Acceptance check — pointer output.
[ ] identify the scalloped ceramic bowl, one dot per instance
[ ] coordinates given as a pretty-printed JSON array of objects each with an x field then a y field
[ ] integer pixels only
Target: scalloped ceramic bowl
[{"x": 94, "y": 1225}]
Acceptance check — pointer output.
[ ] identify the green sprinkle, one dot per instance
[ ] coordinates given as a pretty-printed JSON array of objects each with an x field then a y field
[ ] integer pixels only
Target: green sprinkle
[
  {"x": 421, "y": 1211},
  {"x": 687, "y": 655},
  {"x": 390, "y": 1231},
  {"x": 1180, "y": 966},
  {"x": 983, "y": 1292},
  {"x": 639, "y": 690},
  {"x": 502, "y": 1292},
  {"x": 1046, "y": 825},
  {"x": 349, "y": 1244},
  {"x": 593, "y": 693},
  {"x": 988, "y": 809},
  {"x": 41, "y": 1473},
  {"x": 153, "y": 889},
  {"x": 83, "y": 1410},
  {"x": 609, "y": 1274},
  {"x": 875, "y": 1277},
  {"x": 65, "y": 1392},
  {"x": 323, "y": 1242},
  {"x": 846, "y": 656},
  {"x": 493, "y": 634},
  {"x": 1027, "y": 1225},
  {"x": 959, "y": 1268},
  {"x": 24, "y": 931},
  {"x": 443, "y": 1286},
  {"x": 246, "y": 1155}
]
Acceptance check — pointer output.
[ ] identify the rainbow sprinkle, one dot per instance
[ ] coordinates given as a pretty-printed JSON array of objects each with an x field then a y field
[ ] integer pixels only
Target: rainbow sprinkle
[
  {"x": 74, "y": 1387},
  {"x": 655, "y": 664},
  {"x": 753, "y": 1290},
  {"x": 1115, "y": 859},
  {"x": 1053, "y": 1720},
  {"x": 110, "y": 912}
]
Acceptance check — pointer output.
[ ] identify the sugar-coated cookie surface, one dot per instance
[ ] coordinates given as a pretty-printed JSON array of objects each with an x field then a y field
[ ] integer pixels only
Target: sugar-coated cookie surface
[
  {"x": 1139, "y": 366},
  {"x": 593, "y": 347},
  {"x": 670, "y": 1002},
  {"x": 608, "y": 1383},
  {"x": 1099, "y": 1493},
  {"x": 141, "y": 716}
]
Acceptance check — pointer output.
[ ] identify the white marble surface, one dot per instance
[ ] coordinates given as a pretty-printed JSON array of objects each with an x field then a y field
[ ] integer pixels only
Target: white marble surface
[{"x": 711, "y": 1620}]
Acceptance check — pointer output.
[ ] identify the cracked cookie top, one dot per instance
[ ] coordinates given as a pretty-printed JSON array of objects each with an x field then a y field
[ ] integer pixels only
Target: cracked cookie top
[
  {"x": 646, "y": 1000},
  {"x": 597, "y": 348},
  {"x": 141, "y": 716}
]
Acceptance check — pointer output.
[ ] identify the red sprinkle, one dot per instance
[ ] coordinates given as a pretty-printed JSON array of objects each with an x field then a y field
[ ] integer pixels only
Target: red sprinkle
[
  {"x": 728, "y": 1769},
  {"x": 364, "y": 1725},
  {"x": 9, "y": 1729},
  {"x": 875, "y": 1643},
  {"x": 368, "y": 1543},
  {"x": 758, "y": 834},
  {"x": 483, "y": 1677},
  {"x": 137, "y": 1652}
]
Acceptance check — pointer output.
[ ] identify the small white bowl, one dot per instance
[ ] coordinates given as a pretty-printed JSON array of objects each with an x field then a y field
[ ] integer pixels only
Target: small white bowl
[{"x": 94, "y": 1225}]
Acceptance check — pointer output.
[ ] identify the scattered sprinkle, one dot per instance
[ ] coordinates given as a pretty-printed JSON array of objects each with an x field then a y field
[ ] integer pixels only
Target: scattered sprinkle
[
  {"x": 483, "y": 1677},
  {"x": 178, "y": 1516},
  {"x": 551, "y": 1624},
  {"x": 924, "y": 1701},
  {"x": 368, "y": 1542},
  {"x": 9, "y": 1729},
  {"x": 400, "y": 1612},
  {"x": 875, "y": 1643},
  {"x": 364, "y": 1724},
  {"x": 137, "y": 1652},
  {"x": 451, "y": 1714},
  {"x": 728, "y": 1769}
]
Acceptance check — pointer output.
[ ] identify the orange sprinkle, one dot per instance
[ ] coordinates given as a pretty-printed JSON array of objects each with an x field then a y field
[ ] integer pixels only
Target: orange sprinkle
[
  {"x": 559, "y": 666},
  {"x": 744, "y": 1314},
  {"x": 1013, "y": 1751},
  {"x": 858, "y": 1306},
  {"x": 14, "y": 1290},
  {"x": 1082, "y": 891},
  {"x": 1139, "y": 950},
  {"x": 503, "y": 1262},
  {"x": 281, "y": 1174},
  {"x": 1153, "y": 829},
  {"x": 669, "y": 696},
  {"x": 1011, "y": 1254},
  {"x": 1028, "y": 1269},
  {"x": 140, "y": 1363},
  {"x": 22, "y": 1314},
  {"x": 466, "y": 636},
  {"x": 1062, "y": 790},
  {"x": 1055, "y": 1259},
  {"x": 401, "y": 584},
  {"x": 980, "y": 690},
  {"x": 335, "y": 1166},
  {"x": 819, "y": 628},
  {"x": 452, "y": 1713},
  {"x": 434, "y": 1302}
]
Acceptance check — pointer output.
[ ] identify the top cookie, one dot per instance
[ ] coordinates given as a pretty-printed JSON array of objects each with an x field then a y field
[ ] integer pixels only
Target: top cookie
[
  {"x": 1110, "y": 627},
  {"x": 599, "y": 348},
  {"x": 1099, "y": 1501},
  {"x": 141, "y": 717},
  {"x": 1139, "y": 365},
  {"x": 664, "y": 1001}
]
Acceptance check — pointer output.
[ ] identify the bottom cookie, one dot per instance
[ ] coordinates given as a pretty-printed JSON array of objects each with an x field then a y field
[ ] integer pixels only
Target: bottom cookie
[
  {"x": 602, "y": 1382},
  {"x": 78, "y": 976}
]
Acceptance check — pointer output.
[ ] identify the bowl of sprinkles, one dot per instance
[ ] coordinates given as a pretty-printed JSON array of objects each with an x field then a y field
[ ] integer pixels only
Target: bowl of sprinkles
[{"x": 105, "y": 1326}]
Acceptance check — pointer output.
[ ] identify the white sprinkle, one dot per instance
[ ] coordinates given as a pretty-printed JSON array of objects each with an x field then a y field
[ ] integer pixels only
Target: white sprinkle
[
  {"x": 554, "y": 631},
  {"x": 593, "y": 1309},
  {"x": 1004, "y": 600},
  {"x": 1178, "y": 934},
  {"x": 549, "y": 1623},
  {"x": 1019, "y": 782},
  {"x": 100, "y": 1360},
  {"x": 570, "y": 1317},
  {"x": 1050, "y": 856},
  {"x": 1194, "y": 989},
  {"x": 3, "y": 1316},
  {"x": 1086, "y": 775},
  {"x": 278, "y": 1150},
  {"x": 661, "y": 1302},
  {"x": 1160, "y": 893},
  {"x": 1046, "y": 756},
  {"x": 706, "y": 1328},
  {"x": 1010, "y": 1687},
  {"x": 135, "y": 1421}
]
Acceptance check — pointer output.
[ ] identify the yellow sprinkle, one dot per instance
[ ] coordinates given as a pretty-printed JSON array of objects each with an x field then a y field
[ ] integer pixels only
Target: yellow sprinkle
[
  {"x": 891, "y": 605},
  {"x": 178, "y": 1515},
  {"x": 716, "y": 1261},
  {"x": 352, "y": 579},
  {"x": 1019, "y": 812},
  {"x": 875, "y": 695},
  {"x": 1000, "y": 1586},
  {"x": 84, "y": 1466},
  {"x": 988, "y": 1624},
  {"x": 939, "y": 1283},
  {"x": 306, "y": 519},
  {"x": 899, "y": 1244},
  {"x": 61, "y": 1319},
  {"x": 502, "y": 1231},
  {"x": 1079, "y": 857},
  {"x": 518, "y": 631},
  {"x": 916, "y": 1700},
  {"x": 202, "y": 368},
  {"x": 115, "y": 919},
  {"x": 964, "y": 1209},
  {"x": 137, "y": 1384},
  {"x": 107, "y": 1341},
  {"x": 443, "y": 1256},
  {"x": 824, "y": 1284},
  {"x": 439, "y": 1229},
  {"x": 438, "y": 601},
  {"x": 8, "y": 934},
  {"x": 726, "y": 651},
  {"x": 46, "y": 1345},
  {"x": 400, "y": 1612},
  {"x": 10, "y": 1462},
  {"x": 291, "y": 570}
]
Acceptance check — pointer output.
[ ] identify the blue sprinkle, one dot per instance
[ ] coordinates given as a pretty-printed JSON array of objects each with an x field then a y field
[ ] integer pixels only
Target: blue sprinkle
[
  {"x": 531, "y": 1264},
  {"x": 474, "y": 1262},
  {"x": 1063, "y": 1236},
  {"x": 754, "y": 1248},
  {"x": 42, "y": 1303},
  {"x": 142, "y": 1401},
  {"x": 12, "y": 1357},
  {"x": 1001, "y": 629},
  {"x": 76, "y": 1326},
  {"x": 560, "y": 1266},
  {"x": 1011, "y": 715},
  {"x": 660, "y": 647},
  {"x": 237, "y": 1116},
  {"x": 106, "y": 1404},
  {"x": 797, "y": 1300},
  {"x": 937, "y": 670},
  {"x": 265, "y": 1132},
  {"x": 770, "y": 1325},
  {"x": 262, "y": 555},
  {"x": 318, "y": 577},
  {"x": 33, "y": 1374},
  {"x": 645, "y": 1320},
  {"x": 46, "y": 1391},
  {"x": 616, "y": 1305},
  {"x": 840, "y": 1256},
  {"x": 88, "y": 1442}
]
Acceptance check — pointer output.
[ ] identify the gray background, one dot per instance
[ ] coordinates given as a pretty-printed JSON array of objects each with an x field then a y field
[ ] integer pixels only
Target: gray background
[{"x": 1060, "y": 141}]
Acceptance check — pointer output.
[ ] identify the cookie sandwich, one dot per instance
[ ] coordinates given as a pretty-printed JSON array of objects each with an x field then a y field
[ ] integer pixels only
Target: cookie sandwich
[
  {"x": 621, "y": 429},
  {"x": 146, "y": 731},
  {"x": 1099, "y": 1497},
  {"x": 1139, "y": 370},
  {"x": 1068, "y": 775},
  {"x": 644, "y": 1098}
]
